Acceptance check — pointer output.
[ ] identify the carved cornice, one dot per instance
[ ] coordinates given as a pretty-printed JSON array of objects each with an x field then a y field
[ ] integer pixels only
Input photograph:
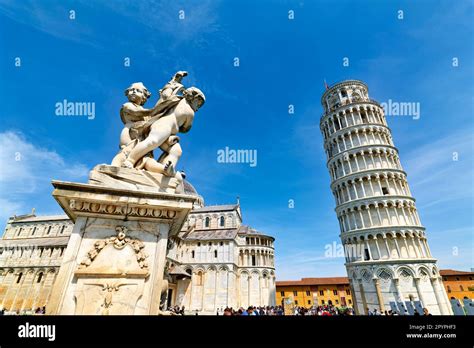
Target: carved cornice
[
  {"x": 95, "y": 201},
  {"x": 357, "y": 149},
  {"x": 384, "y": 230},
  {"x": 359, "y": 128},
  {"x": 338, "y": 109},
  {"x": 366, "y": 173},
  {"x": 395, "y": 200}
]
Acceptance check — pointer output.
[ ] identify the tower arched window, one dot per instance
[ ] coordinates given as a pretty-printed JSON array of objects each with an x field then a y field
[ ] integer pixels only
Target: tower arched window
[
  {"x": 19, "y": 277},
  {"x": 222, "y": 221},
  {"x": 40, "y": 276},
  {"x": 366, "y": 255},
  {"x": 215, "y": 253},
  {"x": 207, "y": 222}
]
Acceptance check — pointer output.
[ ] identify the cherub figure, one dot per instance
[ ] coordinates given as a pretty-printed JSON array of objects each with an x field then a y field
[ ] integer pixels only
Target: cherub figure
[
  {"x": 143, "y": 131},
  {"x": 135, "y": 117},
  {"x": 162, "y": 133},
  {"x": 133, "y": 111}
]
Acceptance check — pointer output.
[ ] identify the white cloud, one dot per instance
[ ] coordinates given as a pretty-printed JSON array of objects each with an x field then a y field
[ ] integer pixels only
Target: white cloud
[
  {"x": 183, "y": 22},
  {"x": 26, "y": 172},
  {"x": 50, "y": 19},
  {"x": 434, "y": 176},
  {"x": 200, "y": 18}
]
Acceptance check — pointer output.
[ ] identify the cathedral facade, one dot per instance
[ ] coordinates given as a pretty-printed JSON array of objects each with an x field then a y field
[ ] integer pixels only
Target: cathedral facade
[{"x": 213, "y": 263}]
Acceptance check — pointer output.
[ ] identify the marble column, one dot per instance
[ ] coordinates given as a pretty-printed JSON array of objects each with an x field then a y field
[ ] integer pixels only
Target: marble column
[
  {"x": 379, "y": 295},
  {"x": 362, "y": 295},
  {"x": 439, "y": 298},
  {"x": 419, "y": 291}
]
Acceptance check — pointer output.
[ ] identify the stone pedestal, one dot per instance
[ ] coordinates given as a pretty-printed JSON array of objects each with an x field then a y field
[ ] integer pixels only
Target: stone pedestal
[{"x": 115, "y": 260}]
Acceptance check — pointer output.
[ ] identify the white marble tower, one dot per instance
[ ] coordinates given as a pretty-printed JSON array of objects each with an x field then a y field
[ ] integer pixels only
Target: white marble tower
[{"x": 388, "y": 259}]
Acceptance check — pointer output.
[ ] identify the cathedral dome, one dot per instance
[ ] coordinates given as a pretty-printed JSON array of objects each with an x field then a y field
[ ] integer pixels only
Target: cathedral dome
[{"x": 191, "y": 191}]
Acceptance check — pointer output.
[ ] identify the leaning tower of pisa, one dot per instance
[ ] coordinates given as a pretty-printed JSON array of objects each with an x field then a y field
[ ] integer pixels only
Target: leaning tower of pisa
[{"x": 388, "y": 259}]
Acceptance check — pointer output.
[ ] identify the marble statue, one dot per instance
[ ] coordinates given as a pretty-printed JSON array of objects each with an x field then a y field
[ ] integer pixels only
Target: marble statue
[
  {"x": 126, "y": 214},
  {"x": 145, "y": 130}
]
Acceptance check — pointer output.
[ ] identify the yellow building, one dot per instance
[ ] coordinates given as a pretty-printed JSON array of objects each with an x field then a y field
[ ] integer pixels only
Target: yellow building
[
  {"x": 309, "y": 292},
  {"x": 459, "y": 285}
]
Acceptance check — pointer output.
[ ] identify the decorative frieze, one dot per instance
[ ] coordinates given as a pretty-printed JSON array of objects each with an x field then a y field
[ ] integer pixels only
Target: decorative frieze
[{"x": 81, "y": 206}]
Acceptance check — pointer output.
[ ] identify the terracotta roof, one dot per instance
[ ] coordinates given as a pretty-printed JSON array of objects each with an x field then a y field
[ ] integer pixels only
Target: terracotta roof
[
  {"x": 315, "y": 281},
  {"x": 448, "y": 272}
]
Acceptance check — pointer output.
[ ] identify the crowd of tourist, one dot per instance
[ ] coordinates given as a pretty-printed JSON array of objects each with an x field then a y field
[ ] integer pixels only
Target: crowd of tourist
[
  {"x": 252, "y": 310},
  {"x": 327, "y": 310},
  {"x": 375, "y": 311},
  {"x": 177, "y": 310},
  {"x": 324, "y": 310}
]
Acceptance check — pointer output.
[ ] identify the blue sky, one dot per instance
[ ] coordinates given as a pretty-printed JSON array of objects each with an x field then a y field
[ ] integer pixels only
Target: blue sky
[{"x": 282, "y": 62}]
